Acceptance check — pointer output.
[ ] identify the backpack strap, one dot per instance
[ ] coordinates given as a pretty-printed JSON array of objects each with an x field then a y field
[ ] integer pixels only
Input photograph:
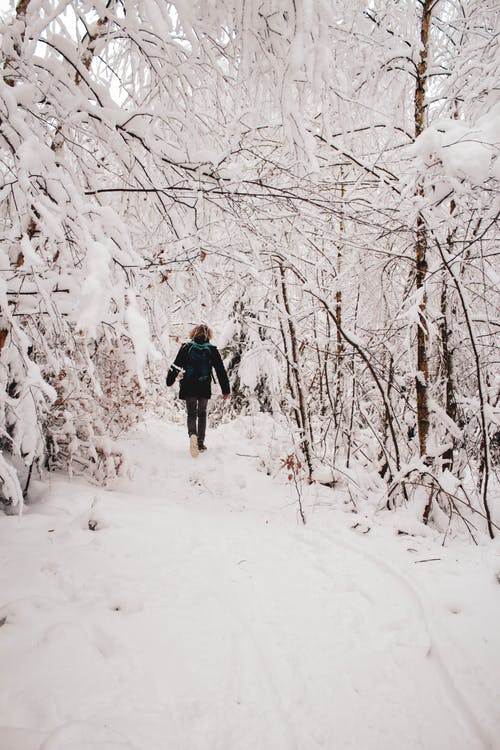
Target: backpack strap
[{"x": 183, "y": 353}]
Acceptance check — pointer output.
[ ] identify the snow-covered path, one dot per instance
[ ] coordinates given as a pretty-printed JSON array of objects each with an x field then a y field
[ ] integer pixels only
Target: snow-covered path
[{"x": 200, "y": 616}]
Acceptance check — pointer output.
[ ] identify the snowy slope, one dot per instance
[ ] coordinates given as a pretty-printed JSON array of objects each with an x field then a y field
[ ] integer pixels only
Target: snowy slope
[{"x": 200, "y": 615}]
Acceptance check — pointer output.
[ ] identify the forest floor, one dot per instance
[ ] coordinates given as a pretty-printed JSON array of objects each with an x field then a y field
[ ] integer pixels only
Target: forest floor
[{"x": 201, "y": 614}]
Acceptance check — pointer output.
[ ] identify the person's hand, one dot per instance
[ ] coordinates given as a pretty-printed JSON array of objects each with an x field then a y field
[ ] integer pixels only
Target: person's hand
[{"x": 225, "y": 396}]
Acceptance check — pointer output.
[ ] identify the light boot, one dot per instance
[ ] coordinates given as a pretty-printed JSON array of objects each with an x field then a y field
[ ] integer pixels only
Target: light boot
[{"x": 193, "y": 446}]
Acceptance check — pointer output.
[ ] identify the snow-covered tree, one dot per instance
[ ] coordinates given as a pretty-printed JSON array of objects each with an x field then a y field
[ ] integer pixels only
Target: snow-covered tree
[{"x": 319, "y": 179}]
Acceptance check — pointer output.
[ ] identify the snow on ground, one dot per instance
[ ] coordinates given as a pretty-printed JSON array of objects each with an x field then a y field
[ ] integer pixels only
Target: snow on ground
[{"x": 199, "y": 614}]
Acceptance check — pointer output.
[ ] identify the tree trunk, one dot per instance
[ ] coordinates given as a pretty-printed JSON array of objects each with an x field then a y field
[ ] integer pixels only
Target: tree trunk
[
  {"x": 338, "y": 324},
  {"x": 300, "y": 408},
  {"x": 421, "y": 242},
  {"x": 447, "y": 364}
]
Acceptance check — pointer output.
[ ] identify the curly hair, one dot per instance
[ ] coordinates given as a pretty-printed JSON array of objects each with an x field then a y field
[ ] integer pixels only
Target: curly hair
[{"x": 201, "y": 333}]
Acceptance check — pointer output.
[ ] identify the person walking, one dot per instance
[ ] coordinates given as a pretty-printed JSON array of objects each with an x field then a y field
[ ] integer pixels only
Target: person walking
[{"x": 193, "y": 364}]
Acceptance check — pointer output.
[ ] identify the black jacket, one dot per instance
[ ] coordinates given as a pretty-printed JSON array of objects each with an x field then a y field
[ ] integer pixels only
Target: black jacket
[{"x": 198, "y": 390}]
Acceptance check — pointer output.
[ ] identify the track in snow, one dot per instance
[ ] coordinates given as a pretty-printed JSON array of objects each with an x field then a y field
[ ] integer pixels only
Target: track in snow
[{"x": 202, "y": 617}]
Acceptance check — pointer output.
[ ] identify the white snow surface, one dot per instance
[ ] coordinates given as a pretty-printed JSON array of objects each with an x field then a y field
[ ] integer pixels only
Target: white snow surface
[{"x": 200, "y": 614}]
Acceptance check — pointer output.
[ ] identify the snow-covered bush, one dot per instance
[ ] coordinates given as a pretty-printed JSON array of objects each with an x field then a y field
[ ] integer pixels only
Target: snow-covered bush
[{"x": 332, "y": 215}]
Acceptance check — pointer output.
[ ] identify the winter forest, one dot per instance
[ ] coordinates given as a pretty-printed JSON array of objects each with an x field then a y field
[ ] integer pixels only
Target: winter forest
[{"x": 318, "y": 180}]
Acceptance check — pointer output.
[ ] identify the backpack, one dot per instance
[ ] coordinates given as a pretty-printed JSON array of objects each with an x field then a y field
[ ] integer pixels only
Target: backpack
[{"x": 198, "y": 367}]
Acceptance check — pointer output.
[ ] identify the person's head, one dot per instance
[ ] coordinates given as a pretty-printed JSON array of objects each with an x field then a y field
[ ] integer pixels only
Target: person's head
[{"x": 201, "y": 333}]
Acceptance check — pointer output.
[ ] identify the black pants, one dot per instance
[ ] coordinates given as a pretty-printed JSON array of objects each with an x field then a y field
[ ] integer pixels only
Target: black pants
[{"x": 197, "y": 417}]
